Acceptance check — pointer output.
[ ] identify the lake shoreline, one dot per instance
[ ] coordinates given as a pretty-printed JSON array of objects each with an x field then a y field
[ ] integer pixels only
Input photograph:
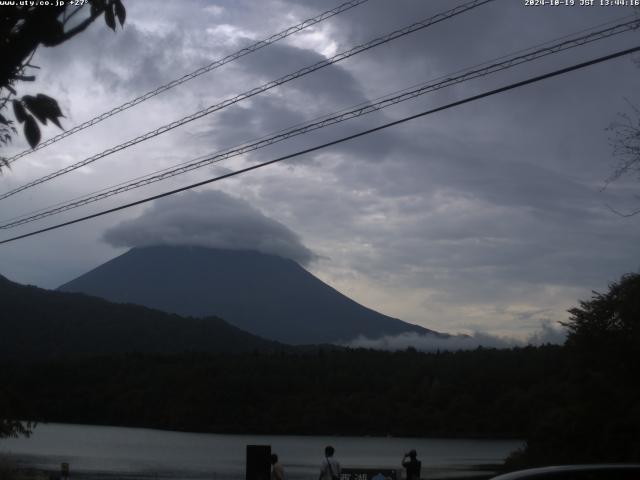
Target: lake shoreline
[
  {"x": 158, "y": 428},
  {"x": 104, "y": 453},
  {"x": 476, "y": 472},
  {"x": 27, "y": 472}
]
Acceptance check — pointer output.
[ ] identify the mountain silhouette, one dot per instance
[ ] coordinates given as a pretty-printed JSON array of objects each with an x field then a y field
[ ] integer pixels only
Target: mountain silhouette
[
  {"x": 42, "y": 324},
  {"x": 264, "y": 294}
]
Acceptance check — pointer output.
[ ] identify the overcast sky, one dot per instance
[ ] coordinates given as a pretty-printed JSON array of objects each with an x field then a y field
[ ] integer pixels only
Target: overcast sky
[{"x": 486, "y": 217}]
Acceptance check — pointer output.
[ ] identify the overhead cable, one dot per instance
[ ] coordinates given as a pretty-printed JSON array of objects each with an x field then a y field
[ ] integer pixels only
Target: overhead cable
[
  {"x": 334, "y": 142},
  {"x": 255, "y": 91},
  {"x": 360, "y": 110},
  {"x": 196, "y": 73}
]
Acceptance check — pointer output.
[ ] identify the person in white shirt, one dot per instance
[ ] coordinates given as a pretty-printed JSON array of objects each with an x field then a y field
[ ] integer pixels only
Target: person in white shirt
[
  {"x": 277, "y": 472},
  {"x": 330, "y": 469}
]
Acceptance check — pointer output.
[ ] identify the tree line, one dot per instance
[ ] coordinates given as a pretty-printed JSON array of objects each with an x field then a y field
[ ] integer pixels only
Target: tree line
[{"x": 574, "y": 403}]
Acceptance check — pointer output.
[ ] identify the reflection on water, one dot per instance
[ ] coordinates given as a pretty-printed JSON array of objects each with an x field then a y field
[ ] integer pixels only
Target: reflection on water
[{"x": 105, "y": 452}]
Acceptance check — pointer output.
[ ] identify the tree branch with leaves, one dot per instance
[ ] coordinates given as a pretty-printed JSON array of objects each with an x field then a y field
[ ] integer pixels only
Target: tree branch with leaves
[
  {"x": 15, "y": 428},
  {"x": 23, "y": 29},
  {"x": 625, "y": 141}
]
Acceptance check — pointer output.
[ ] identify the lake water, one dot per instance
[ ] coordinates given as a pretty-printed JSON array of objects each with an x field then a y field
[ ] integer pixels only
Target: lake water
[{"x": 106, "y": 452}]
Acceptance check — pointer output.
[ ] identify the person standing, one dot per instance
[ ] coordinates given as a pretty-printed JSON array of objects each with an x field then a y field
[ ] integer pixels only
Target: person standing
[
  {"x": 413, "y": 466},
  {"x": 277, "y": 472},
  {"x": 330, "y": 469}
]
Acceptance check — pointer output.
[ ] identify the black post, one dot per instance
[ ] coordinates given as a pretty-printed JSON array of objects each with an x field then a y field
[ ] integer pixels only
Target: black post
[{"x": 258, "y": 462}]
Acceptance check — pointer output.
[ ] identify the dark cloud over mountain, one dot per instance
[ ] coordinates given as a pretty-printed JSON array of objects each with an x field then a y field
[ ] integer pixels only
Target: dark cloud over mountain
[{"x": 209, "y": 219}]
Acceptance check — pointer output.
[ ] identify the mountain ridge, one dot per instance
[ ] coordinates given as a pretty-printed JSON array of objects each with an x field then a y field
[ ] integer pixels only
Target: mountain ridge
[
  {"x": 267, "y": 295},
  {"x": 39, "y": 324}
]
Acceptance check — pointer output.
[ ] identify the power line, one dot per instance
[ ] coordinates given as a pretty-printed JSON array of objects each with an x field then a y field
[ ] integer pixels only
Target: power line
[
  {"x": 196, "y": 73},
  {"x": 615, "y": 21},
  {"x": 325, "y": 121},
  {"x": 255, "y": 91},
  {"x": 336, "y": 142}
]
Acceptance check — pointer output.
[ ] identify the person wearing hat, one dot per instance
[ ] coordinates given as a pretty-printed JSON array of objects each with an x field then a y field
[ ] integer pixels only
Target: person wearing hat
[{"x": 413, "y": 466}]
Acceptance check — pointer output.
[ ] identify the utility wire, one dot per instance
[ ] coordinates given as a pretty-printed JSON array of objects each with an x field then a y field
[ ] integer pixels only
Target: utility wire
[
  {"x": 618, "y": 21},
  {"x": 255, "y": 91},
  {"x": 336, "y": 142},
  {"x": 308, "y": 126},
  {"x": 196, "y": 73},
  {"x": 358, "y": 111},
  {"x": 89, "y": 196}
]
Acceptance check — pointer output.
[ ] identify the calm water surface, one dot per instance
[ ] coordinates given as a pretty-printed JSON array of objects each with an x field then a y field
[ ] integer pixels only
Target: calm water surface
[{"x": 102, "y": 452}]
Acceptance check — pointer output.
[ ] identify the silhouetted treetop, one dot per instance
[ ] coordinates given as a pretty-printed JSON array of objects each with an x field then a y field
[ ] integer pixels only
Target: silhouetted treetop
[
  {"x": 611, "y": 316},
  {"x": 23, "y": 28}
]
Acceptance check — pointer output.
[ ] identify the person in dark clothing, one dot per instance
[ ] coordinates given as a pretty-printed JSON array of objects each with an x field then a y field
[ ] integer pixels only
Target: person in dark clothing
[{"x": 413, "y": 466}]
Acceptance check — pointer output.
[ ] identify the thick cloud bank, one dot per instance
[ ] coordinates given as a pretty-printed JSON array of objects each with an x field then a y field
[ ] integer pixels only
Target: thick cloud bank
[
  {"x": 430, "y": 343},
  {"x": 209, "y": 219}
]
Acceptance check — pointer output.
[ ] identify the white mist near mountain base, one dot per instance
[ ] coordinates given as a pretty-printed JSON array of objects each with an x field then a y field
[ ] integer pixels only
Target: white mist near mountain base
[{"x": 548, "y": 334}]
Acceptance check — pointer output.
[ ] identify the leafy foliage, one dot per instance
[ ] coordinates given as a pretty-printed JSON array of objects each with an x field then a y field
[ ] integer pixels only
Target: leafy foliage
[
  {"x": 318, "y": 391},
  {"x": 566, "y": 413},
  {"x": 610, "y": 320},
  {"x": 23, "y": 28},
  {"x": 8, "y": 426},
  {"x": 625, "y": 141},
  {"x": 15, "y": 428},
  {"x": 602, "y": 351}
]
